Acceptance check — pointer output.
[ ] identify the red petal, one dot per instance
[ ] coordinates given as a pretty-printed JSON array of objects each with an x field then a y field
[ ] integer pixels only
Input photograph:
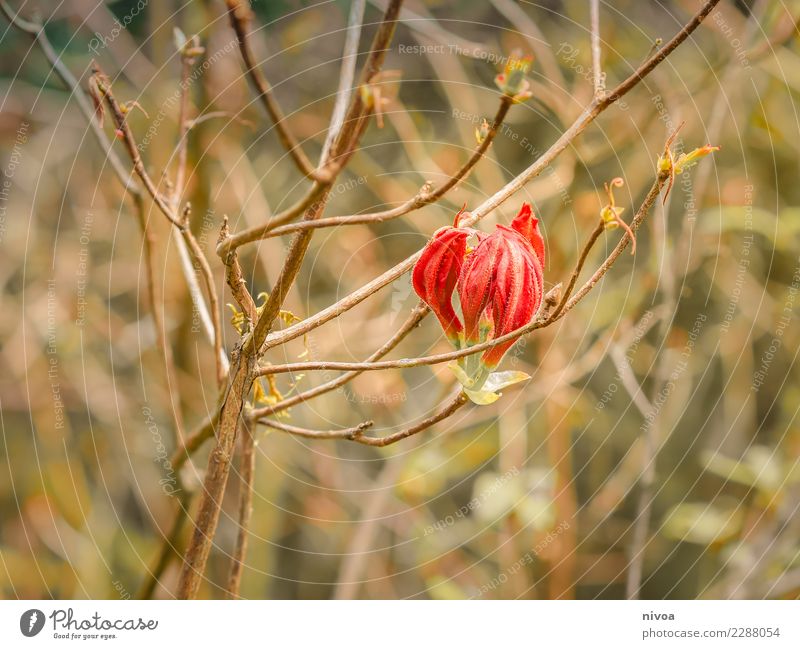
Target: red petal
[
  {"x": 476, "y": 283},
  {"x": 528, "y": 226},
  {"x": 436, "y": 272}
]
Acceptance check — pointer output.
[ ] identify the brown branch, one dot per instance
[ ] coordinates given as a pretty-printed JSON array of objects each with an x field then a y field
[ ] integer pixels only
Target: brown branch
[
  {"x": 156, "y": 308},
  {"x": 647, "y": 203},
  {"x": 211, "y": 290},
  {"x": 235, "y": 279},
  {"x": 240, "y": 15},
  {"x": 458, "y": 400},
  {"x": 126, "y": 135},
  {"x": 37, "y": 33},
  {"x": 577, "y": 270},
  {"x": 187, "y": 60},
  {"x": 339, "y": 433},
  {"x": 650, "y": 64},
  {"x": 356, "y": 434},
  {"x": 168, "y": 550},
  {"x": 589, "y": 114},
  {"x": 207, "y": 519},
  {"x": 421, "y": 199},
  {"x": 413, "y": 320},
  {"x": 258, "y": 232},
  {"x": 247, "y": 473},
  {"x": 181, "y": 223}
]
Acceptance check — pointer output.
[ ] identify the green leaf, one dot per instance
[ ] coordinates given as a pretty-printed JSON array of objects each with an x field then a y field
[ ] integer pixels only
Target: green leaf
[{"x": 495, "y": 382}]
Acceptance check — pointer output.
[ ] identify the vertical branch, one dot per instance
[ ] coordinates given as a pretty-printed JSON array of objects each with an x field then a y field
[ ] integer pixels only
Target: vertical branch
[
  {"x": 246, "y": 471},
  {"x": 240, "y": 15},
  {"x": 207, "y": 519},
  {"x": 211, "y": 290},
  {"x": 157, "y": 310},
  {"x": 169, "y": 548}
]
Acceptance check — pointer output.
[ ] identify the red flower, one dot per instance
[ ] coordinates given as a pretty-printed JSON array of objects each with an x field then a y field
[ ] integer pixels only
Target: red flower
[
  {"x": 500, "y": 283},
  {"x": 436, "y": 273}
]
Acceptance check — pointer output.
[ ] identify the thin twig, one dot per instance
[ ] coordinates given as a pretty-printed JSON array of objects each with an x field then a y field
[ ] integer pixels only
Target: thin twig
[
  {"x": 651, "y": 196},
  {"x": 458, "y": 400},
  {"x": 356, "y": 434},
  {"x": 180, "y": 222},
  {"x": 183, "y": 130},
  {"x": 236, "y": 281},
  {"x": 240, "y": 15},
  {"x": 168, "y": 550},
  {"x": 211, "y": 290},
  {"x": 578, "y": 268},
  {"x": 413, "y": 320},
  {"x": 156, "y": 308},
  {"x": 421, "y": 199},
  {"x": 257, "y": 232},
  {"x": 338, "y": 433}
]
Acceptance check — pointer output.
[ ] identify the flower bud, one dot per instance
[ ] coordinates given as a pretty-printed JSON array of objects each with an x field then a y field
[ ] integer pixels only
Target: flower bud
[
  {"x": 501, "y": 284},
  {"x": 512, "y": 81}
]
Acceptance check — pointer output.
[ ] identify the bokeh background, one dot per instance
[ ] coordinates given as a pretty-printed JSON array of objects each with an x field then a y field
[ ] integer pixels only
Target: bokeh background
[{"x": 661, "y": 417}]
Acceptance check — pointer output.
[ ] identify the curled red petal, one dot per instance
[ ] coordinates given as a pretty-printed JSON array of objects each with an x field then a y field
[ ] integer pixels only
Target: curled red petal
[
  {"x": 436, "y": 273},
  {"x": 528, "y": 226}
]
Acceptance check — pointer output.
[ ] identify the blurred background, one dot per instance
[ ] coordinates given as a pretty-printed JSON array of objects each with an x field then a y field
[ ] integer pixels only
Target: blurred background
[{"x": 656, "y": 443}]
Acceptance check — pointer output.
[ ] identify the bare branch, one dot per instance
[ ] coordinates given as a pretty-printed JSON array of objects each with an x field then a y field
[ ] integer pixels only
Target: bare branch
[
  {"x": 413, "y": 320},
  {"x": 211, "y": 290},
  {"x": 257, "y": 232},
  {"x": 246, "y": 472},
  {"x": 458, "y": 400},
  {"x": 240, "y": 15},
  {"x": 424, "y": 196},
  {"x": 577, "y": 270},
  {"x": 651, "y": 196},
  {"x": 168, "y": 550},
  {"x": 339, "y": 433}
]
